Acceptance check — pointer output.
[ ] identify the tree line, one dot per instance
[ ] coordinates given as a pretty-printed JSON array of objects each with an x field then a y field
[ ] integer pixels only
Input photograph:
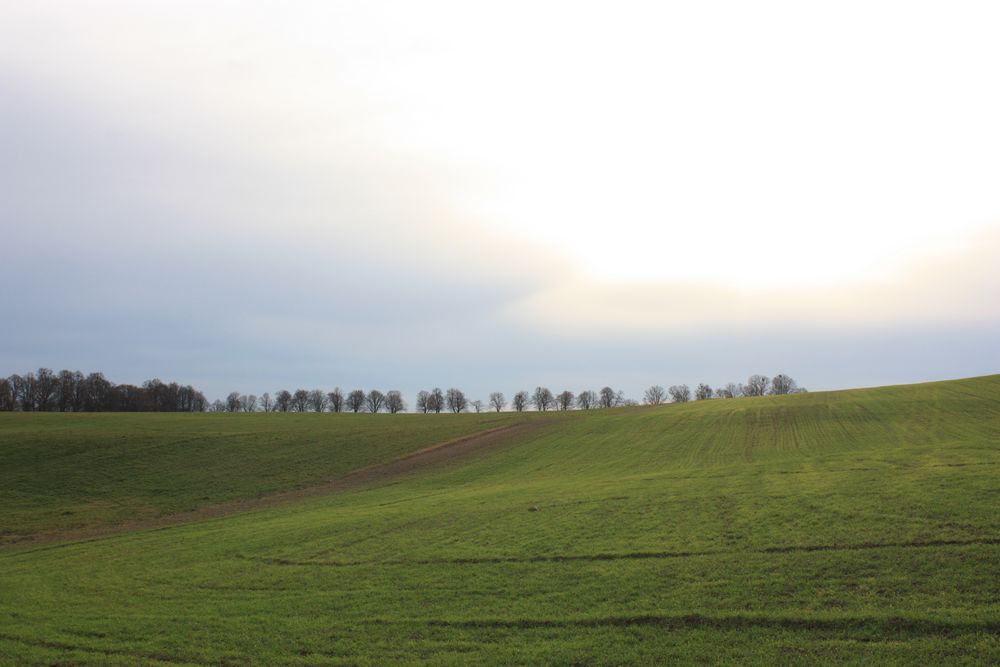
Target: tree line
[
  {"x": 71, "y": 391},
  {"x": 454, "y": 400},
  {"x": 756, "y": 385},
  {"x": 315, "y": 400}
]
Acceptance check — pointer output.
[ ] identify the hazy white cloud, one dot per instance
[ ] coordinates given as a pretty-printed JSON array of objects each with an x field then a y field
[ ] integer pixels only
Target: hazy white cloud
[
  {"x": 382, "y": 192},
  {"x": 960, "y": 287}
]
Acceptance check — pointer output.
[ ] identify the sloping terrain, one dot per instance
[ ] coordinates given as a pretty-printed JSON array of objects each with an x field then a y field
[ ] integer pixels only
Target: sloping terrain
[
  {"x": 839, "y": 527},
  {"x": 72, "y": 474}
]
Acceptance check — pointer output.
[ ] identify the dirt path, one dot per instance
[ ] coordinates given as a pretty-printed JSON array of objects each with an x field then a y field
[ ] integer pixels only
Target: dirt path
[{"x": 436, "y": 456}]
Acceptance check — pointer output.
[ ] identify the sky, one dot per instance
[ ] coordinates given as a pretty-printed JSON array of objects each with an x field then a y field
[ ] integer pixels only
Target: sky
[{"x": 262, "y": 195}]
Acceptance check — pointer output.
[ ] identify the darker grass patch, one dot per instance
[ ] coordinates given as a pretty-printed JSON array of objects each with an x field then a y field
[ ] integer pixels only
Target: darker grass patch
[
  {"x": 635, "y": 555},
  {"x": 917, "y": 544},
  {"x": 486, "y": 560},
  {"x": 964, "y": 465},
  {"x": 143, "y": 658},
  {"x": 892, "y": 627}
]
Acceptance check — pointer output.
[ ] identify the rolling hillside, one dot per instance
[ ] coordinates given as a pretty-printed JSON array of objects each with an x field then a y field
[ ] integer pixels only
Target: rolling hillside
[
  {"x": 855, "y": 526},
  {"x": 83, "y": 472}
]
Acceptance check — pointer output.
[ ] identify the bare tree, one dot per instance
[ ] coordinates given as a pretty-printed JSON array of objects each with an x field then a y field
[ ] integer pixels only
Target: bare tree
[
  {"x": 731, "y": 390},
  {"x": 374, "y": 401},
  {"x": 607, "y": 398},
  {"x": 79, "y": 394},
  {"x": 98, "y": 391},
  {"x": 335, "y": 399},
  {"x": 66, "y": 393},
  {"x": 586, "y": 399},
  {"x": 756, "y": 385},
  {"x": 24, "y": 389},
  {"x": 218, "y": 406},
  {"x": 655, "y": 395},
  {"x": 520, "y": 401},
  {"x": 46, "y": 385},
  {"x": 394, "y": 402},
  {"x": 233, "y": 402},
  {"x": 265, "y": 402},
  {"x": 782, "y": 384},
  {"x": 542, "y": 399},
  {"x": 680, "y": 393},
  {"x": 422, "y": 401},
  {"x": 317, "y": 400},
  {"x": 477, "y": 405},
  {"x": 456, "y": 400},
  {"x": 703, "y": 392},
  {"x": 565, "y": 400},
  {"x": 283, "y": 401},
  {"x": 435, "y": 402},
  {"x": 249, "y": 403},
  {"x": 300, "y": 400},
  {"x": 23, "y": 392},
  {"x": 7, "y": 402},
  {"x": 356, "y": 400},
  {"x": 497, "y": 401}
]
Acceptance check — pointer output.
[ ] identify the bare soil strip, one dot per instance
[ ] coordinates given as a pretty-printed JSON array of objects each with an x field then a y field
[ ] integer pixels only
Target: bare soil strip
[{"x": 435, "y": 456}]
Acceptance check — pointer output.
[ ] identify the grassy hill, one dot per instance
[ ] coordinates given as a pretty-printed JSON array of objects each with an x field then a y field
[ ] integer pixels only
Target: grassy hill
[
  {"x": 82, "y": 471},
  {"x": 855, "y": 526}
]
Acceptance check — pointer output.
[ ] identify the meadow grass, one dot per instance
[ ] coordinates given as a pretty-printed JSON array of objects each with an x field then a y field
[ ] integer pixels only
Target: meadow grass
[
  {"x": 61, "y": 471},
  {"x": 837, "y": 527}
]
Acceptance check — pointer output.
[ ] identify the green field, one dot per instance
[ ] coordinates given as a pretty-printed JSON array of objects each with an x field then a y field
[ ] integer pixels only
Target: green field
[
  {"x": 63, "y": 471},
  {"x": 859, "y": 526}
]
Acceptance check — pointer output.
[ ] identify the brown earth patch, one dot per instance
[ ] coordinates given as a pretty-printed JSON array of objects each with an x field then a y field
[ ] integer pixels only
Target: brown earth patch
[{"x": 436, "y": 456}]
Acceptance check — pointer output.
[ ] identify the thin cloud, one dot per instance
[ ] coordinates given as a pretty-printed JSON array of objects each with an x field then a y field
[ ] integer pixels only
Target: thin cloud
[{"x": 392, "y": 193}]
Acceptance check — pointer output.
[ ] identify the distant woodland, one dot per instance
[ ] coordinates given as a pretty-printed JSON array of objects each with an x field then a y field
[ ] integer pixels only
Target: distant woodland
[{"x": 72, "y": 391}]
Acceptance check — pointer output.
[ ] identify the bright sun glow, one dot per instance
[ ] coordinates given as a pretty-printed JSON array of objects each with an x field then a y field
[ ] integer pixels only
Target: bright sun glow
[{"x": 791, "y": 145}]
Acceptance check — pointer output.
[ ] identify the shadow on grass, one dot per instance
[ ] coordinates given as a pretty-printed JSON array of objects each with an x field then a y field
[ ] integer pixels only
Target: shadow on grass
[
  {"x": 892, "y": 627},
  {"x": 635, "y": 555}
]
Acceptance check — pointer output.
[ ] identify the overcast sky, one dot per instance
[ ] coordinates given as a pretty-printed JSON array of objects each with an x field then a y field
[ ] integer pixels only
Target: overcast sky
[{"x": 267, "y": 195}]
